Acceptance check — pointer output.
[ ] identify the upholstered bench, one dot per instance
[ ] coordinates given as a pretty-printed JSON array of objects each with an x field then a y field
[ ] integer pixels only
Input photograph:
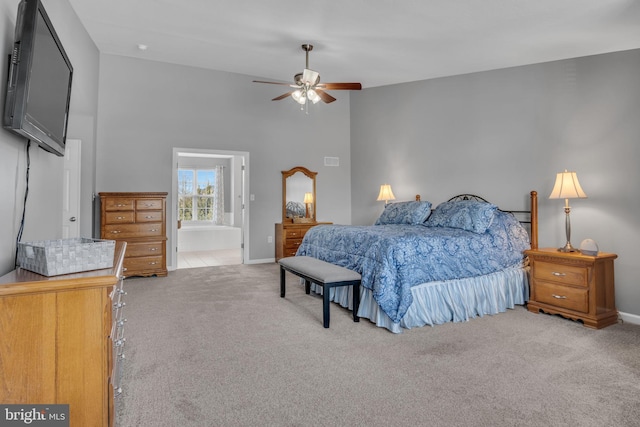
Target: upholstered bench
[{"x": 324, "y": 274}]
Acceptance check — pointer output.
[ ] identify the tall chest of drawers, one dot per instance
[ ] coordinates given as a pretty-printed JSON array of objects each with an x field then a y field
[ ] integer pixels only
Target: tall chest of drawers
[
  {"x": 140, "y": 220},
  {"x": 576, "y": 286}
]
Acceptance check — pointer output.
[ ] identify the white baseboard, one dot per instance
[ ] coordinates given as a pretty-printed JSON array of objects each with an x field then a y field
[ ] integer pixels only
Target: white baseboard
[
  {"x": 629, "y": 318},
  {"x": 259, "y": 261}
]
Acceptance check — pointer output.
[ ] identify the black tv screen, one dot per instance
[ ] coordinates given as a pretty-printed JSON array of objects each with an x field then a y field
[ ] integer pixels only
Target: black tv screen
[{"x": 39, "y": 84}]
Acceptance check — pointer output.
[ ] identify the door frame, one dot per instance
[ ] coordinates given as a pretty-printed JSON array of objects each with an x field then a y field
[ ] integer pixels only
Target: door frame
[
  {"x": 71, "y": 188},
  {"x": 173, "y": 216}
]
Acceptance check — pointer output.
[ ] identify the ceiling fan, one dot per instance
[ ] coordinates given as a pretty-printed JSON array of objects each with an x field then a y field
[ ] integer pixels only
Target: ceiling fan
[{"x": 307, "y": 86}]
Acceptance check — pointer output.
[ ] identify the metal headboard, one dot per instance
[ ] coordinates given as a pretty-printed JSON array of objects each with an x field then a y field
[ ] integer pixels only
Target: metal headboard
[
  {"x": 481, "y": 199},
  {"x": 524, "y": 217},
  {"x": 530, "y": 216},
  {"x": 460, "y": 197}
]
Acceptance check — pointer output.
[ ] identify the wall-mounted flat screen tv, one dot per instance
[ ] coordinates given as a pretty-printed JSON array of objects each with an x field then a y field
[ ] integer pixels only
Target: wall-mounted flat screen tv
[{"x": 39, "y": 83}]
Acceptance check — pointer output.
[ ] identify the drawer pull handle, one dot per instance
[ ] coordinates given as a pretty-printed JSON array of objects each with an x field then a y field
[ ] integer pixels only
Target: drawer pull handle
[
  {"x": 120, "y": 217},
  {"x": 153, "y": 249},
  {"x": 153, "y": 229},
  {"x": 153, "y": 263},
  {"x": 559, "y": 274},
  {"x": 559, "y": 296},
  {"x": 120, "y": 205},
  {"x": 115, "y": 232},
  {"x": 148, "y": 217}
]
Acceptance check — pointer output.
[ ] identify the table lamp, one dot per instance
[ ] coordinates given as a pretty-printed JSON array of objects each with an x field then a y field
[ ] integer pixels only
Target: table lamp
[
  {"x": 386, "y": 194},
  {"x": 567, "y": 187},
  {"x": 308, "y": 199}
]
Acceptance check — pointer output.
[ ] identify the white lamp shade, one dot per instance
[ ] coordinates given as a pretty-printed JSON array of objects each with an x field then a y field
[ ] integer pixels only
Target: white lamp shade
[
  {"x": 299, "y": 97},
  {"x": 313, "y": 96},
  {"x": 308, "y": 198},
  {"x": 567, "y": 187},
  {"x": 386, "y": 193}
]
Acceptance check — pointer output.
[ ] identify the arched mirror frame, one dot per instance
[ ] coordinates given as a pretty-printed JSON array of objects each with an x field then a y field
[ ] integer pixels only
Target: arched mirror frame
[{"x": 287, "y": 174}]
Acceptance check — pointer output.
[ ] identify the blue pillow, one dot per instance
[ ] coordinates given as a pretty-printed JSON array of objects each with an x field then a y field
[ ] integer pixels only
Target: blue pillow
[
  {"x": 469, "y": 215},
  {"x": 405, "y": 213}
]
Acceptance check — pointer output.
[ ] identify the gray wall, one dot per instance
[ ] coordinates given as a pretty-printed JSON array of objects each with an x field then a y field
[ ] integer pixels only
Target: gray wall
[
  {"x": 43, "y": 218},
  {"x": 500, "y": 134},
  {"x": 147, "y": 108}
]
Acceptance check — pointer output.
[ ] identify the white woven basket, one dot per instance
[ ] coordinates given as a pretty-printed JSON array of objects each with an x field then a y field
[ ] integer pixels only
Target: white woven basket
[{"x": 64, "y": 256}]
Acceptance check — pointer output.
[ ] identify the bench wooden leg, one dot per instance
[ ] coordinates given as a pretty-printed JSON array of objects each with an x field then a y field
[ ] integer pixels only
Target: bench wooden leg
[
  {"x": 282, "y": 280},
  {"x": 326, "y": 292}
]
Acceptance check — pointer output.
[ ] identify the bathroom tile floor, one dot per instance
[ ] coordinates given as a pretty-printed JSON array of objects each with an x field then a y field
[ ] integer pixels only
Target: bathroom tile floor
[{"x": 197, "y": 259}]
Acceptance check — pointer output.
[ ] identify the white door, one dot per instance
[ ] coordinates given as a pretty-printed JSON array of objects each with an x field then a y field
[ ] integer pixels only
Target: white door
[{"x": 71, "y": 191}]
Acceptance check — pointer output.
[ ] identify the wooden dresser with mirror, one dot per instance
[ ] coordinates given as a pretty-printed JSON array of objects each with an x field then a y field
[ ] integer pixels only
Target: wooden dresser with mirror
[{"x": 298, "y": 210}]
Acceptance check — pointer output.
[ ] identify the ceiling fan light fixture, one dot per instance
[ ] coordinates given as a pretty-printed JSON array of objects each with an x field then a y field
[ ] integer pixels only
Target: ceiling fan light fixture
[
  {"x": 310, "y": 77},
  {"x": 307, "y": 87},
  {"x": 299, "y": 97},
  {"x": 313, "y": 96}
]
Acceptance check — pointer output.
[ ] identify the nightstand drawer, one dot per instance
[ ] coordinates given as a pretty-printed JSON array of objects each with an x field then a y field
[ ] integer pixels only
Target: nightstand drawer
[
  {"x": 293, "y": 244},
  {"x": 289, "y": 252},
  {"x": 560, "y": 273},
  {"x": 295, "y": 233},
  {"x": 563, "y": 296}
]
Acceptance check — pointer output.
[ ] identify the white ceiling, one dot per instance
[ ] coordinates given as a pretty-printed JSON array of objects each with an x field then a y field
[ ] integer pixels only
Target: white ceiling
[{"x": 375, "y": 42}]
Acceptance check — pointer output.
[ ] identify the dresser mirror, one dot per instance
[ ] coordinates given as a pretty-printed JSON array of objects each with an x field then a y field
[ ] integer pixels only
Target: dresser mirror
[{"x": 299, "y": 195}]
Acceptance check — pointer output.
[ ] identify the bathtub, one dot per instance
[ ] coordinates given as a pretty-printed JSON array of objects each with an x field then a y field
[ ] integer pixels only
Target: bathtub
[{"x": 208, "y": 238}]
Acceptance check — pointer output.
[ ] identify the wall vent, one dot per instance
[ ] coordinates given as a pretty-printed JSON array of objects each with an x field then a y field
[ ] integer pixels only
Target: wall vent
[{"x": 332, "y": 161}]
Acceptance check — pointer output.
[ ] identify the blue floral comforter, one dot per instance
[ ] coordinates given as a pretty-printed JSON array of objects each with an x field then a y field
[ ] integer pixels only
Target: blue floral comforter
[{"x": 393, "y": 258}]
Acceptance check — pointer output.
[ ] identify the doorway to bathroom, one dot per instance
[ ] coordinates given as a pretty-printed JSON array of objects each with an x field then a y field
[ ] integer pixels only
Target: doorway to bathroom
[{"x": 209, "y": 209}]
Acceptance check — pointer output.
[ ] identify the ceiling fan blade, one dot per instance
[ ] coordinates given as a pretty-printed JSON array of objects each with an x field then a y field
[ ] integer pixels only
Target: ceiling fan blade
[
  {"x": 283, "y": 96},
  {"x": 340, "y": 86},
  {"x": 326, "y": 98},
  {"x": 272, "y": 83}
]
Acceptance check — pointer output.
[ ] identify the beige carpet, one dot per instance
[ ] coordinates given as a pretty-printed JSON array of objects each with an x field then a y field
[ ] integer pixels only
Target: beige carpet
[{"x": 218, "y": 347}]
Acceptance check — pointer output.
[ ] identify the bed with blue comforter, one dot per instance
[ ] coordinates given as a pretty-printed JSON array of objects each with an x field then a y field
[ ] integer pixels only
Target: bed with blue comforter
[{"x": 461, "y": 260}]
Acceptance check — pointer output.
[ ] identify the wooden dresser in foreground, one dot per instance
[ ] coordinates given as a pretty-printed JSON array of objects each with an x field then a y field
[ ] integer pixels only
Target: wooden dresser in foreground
[
  {"x": 289, "y": 236},
  {"x": 140, "y": 220},
  {"x": 61, "y": 340},
  {"x": 576, "y": 286}
]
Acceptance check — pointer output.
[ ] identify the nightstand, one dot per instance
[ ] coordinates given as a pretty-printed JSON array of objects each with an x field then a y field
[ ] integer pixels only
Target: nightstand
[{"x": 576, "y": 286}]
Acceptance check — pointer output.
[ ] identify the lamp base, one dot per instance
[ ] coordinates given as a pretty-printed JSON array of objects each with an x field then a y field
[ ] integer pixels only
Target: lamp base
[{"x": 567, "y": 248}]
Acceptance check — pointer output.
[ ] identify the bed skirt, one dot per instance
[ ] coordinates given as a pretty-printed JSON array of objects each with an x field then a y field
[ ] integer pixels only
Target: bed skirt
[{"x": 436, "y": 303}]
